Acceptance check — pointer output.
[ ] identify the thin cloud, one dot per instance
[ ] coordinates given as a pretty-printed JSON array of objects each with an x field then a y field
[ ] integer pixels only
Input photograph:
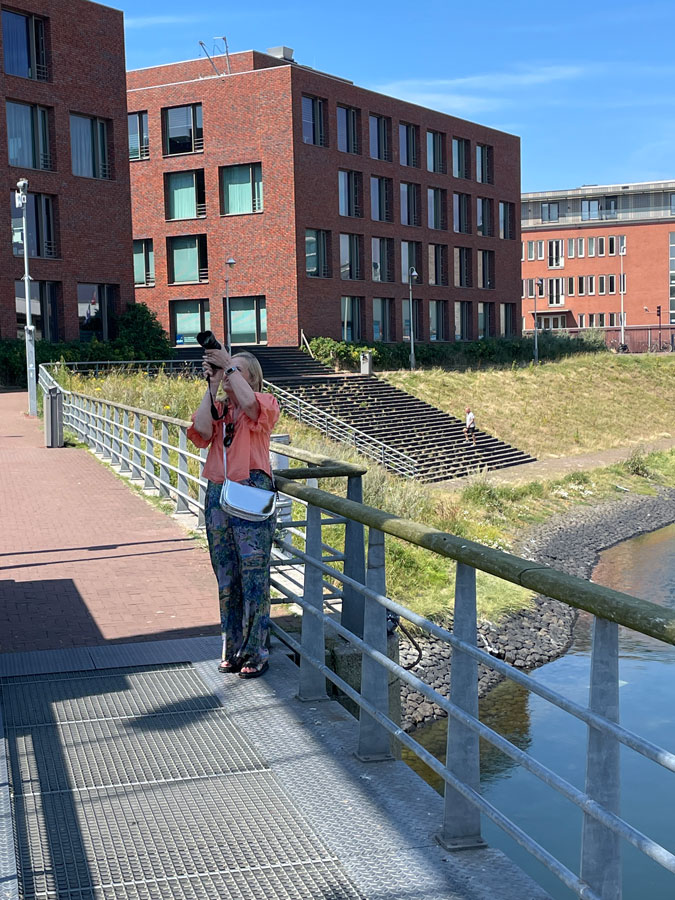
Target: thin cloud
[
  {"x": 152, "y": 21},
  {"x": 496, "y": 81}
]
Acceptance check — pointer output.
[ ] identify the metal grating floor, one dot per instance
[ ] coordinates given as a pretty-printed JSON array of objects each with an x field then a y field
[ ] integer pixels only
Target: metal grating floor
[{"x": 135, "y": 783}]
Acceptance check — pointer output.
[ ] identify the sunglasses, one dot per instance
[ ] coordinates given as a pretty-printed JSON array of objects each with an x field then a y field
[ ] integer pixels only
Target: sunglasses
[{"x": 228, "y": 435}]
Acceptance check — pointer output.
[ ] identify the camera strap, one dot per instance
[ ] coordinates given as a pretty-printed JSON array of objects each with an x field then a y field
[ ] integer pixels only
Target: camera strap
[{"x": 214, "y": 411}]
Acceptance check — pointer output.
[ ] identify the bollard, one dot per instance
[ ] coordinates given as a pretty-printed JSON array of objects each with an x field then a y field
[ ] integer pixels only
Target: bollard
[{"x": 53, "y": 414}]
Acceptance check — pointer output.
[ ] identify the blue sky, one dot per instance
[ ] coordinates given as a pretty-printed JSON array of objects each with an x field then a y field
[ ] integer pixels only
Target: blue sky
[{"x": 588, "y": 86}]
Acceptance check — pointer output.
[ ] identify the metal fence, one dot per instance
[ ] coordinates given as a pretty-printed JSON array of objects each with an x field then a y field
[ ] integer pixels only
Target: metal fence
[{"x": 153, "y": 449}]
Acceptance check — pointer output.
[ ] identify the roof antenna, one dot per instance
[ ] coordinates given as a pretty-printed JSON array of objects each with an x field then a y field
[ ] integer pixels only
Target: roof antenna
[
  {"x": 203, "y": 46},
  {"x": 227, "y": 52}
]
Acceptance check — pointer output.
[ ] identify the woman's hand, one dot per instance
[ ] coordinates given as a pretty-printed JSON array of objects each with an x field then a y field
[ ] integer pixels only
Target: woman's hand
[
  {"x": 215, "y": 375},
  {"x": 218, "y": 358}
]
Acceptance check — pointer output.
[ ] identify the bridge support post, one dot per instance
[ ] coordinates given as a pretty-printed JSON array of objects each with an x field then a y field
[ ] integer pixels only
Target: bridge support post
[
  {"x": 355, "y": 563},
  {"x": 461, "y": 819},
  {"x": 600, "y": 847},
  {"x": 312, "y": 682},
  {"x": 374, "y": 742}
]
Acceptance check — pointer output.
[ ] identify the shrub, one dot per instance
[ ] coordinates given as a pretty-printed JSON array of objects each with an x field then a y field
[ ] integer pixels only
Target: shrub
[{"x": 636, "y": 464}]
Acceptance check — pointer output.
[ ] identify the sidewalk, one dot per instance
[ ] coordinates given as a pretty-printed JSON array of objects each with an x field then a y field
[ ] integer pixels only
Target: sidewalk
[{"x": 83, "y": 559}]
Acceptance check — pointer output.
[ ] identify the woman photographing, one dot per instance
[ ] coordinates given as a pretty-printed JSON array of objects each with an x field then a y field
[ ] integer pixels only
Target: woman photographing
[{"x": 240, "y": 549}]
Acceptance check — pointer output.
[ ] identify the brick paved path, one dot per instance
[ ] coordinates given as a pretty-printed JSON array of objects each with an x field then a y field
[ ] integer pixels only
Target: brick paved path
[{"x": 83, "y": 559}]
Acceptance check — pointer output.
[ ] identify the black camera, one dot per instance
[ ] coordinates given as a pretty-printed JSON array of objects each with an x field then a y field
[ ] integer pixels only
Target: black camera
[{"x": 208, "y": 340}]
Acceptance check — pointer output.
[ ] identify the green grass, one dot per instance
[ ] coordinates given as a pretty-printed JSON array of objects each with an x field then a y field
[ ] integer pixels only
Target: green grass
[{"x": 494, "y": 515}]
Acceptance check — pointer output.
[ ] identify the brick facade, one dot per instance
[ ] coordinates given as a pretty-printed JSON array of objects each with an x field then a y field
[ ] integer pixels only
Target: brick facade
[
  {"x": 254, "y": 115},
  {"x": 92, "y": 215}
]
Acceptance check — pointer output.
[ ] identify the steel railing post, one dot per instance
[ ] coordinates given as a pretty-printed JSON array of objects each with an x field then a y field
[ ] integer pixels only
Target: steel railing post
[
  {"x": 312, "y": 682},
  {"x": 600, "y": 847},
  {"x": 96, "y": 414},
  {"x": 149, "y": 481},
  {"x": 374, "y": 742},
  {"x": 125, "y": 457},
  {"x": 106, "y": 431},
  {"x": 115, "y": 439},
  {"x": 136, "y": 457},
  {"x": 182, "y": 482},
  {"x": 201, "y": 521},
  {"x": 164, "y": 472},
  {"x": 355, "y": 563},
  {"x": 461, "y": 819}
]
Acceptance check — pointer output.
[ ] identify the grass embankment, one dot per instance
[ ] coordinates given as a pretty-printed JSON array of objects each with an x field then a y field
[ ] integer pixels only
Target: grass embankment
[
  {"x": 493, "y": 515},
  {"x": 579, "y": 405}
]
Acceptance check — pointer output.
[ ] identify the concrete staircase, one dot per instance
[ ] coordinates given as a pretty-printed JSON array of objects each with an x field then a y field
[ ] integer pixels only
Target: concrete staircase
[{"x": 434, "y": 439}]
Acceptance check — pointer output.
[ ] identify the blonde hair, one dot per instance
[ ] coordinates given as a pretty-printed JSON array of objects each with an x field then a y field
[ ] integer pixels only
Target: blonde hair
[{"x": 255, "y": 371}]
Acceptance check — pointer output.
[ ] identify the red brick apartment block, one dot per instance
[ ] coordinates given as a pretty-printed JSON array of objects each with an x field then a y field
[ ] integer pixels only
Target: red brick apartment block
[
  {"x": 325, "y": 195},
  {"x": 577, "y": 243},
  {"x": 64, "y": 128}
]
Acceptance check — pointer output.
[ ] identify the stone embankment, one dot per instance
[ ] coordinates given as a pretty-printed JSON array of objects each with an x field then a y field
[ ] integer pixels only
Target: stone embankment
[{"x": 571, "y": 543}]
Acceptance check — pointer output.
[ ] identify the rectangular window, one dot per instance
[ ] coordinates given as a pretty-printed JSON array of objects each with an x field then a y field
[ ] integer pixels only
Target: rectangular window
[
  {"x": 383, "y": 319},
  {"x": 484, "y": 164},
  {"x": 591, "y": 320},
  {"x": 436, "y": 206},
  {"x": 241, "y": 190},
  {"x": 486, "y": 269},
  {"x": 570, "y": 286},
  {"x": 410, "y": 259},
  {"x": 437, "y": 320},
  {"x": 530, "y": 288},
  {"x": 601, "y": 284},
  {"x": 405, "y": 318},
  {"x": 622, "y": 283},
  {"x": 549, "y": 212},
  {"x": 184, "y": 196},
  {"x": 381, "y": 199},
  {"x": 96, "y": 310},
  {"x": 187, "y": 259},
  {"x": 144, "y": 263},
  {"x": 484, "y": 218},
  {"x": 248, "y": 320},
  {"x": 40, "y": 226},
  {"x": 672, "y": 204},
  {"x": 380, "y": 141},
  {"x": 347, "y": 129},
  {"x": 507, "y": 319},
  {"x": 571, "y": 247},
  {"x": 43, "y": 298},
  {"x": 555, "y": 291},
  {"x": 601, "y": 246},
  {"x": 313, "y": 121},
  {"x": 349, "y": 194},
  {"x": 89, "y": 147},
  {"x": 438, "y": 264},
  {"x": 611, "y": 284},
  {"x": 610, "y": 207},
  {"x": 410, "y": 204},
  {"x": 556, "y": 259},
  {"x": 461, "y": 158},
  {"x": 182, "y": 129},
  {"x": 581, "y": 286},
  {"x": 612, "y": 320},
  {"x": 540, "y": 249},
  {"x": 350, "y": 315},
  {"x": 461, "y": 212},
  {"x": 590, "y": 209},
  {"x": 507, "y": 221},
  {"x": 582, "y": 320},
  {"x": 591, "y": 246},
  {"x": 463, "y": 324},
  {"x": 611, "y": 245},
  {"x": 580, "y": 247},
  {"x": 350, "y": 257},
  {"x": 139, "y": 142},
  {"x": 317, "y": 253},
  {"x": 463, "y": 273},
  {"x": 382, "y": 250},
  {"x": 23, "y": 40},
  {"x": 28, "y": 136},
  {"x": 531, "y": 250},
  {"x": 408, "y": 143},
  {"x": 622, "y": 244},
  {"x": 436, "y": 152},
  {"x": 187, "y": 318},
  {"x": 590, "y": 284}
]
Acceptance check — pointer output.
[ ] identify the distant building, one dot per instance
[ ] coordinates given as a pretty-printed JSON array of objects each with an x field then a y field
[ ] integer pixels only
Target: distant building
[
  {"x": 63, "y": 115},
  {"x": 325, "y": 195},
  {"x": 584, "y": 251}
]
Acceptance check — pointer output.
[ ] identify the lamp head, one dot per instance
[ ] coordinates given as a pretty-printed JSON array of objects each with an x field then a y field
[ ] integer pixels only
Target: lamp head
[
  {"x": 231, "y": 262},
  {"x": 413, "y": 272},
  {"x": 21, "y": 193}
]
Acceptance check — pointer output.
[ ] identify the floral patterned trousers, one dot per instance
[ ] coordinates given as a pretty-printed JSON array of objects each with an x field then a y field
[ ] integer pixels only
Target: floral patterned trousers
[{"x": 240, "y": 555}]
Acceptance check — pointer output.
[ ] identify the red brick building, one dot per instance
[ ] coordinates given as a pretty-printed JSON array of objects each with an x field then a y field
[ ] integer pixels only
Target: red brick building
[
  {"x": 587, "y": 252},
  {"x": 64, "y": 130},
  {"x": 324, "y": 195}
]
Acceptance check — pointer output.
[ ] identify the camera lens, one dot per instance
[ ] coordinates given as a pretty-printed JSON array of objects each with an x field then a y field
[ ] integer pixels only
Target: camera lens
[{"x": 208, "y": 340}]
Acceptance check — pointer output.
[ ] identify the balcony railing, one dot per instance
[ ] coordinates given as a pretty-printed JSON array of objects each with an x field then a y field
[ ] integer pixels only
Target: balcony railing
[
  {"x": 49, "y": 249},
  {"x": 198, "y": 144},
  {"x": 201, "y": 210},
  {"x": 203, "y": 274},
  {"x": 41, "y": 72}
]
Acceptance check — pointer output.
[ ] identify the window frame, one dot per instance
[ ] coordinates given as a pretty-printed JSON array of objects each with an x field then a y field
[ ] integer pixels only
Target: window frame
[
  {"x": 100, "y": 156},
  {"x": 36, "y": 49},
  {"x": 349, "y": 130},
  {"x": 485, "y": 164},
  {"x": 41, "y": 138},
  {"x": 196, "y": 142},
  {"x": 143, "y": 135},
  {"x": 202, "y": 259},
  {"x": 148, "y": 260},
  {"x": 256, "y": 186},
  {"x": 322, "y": 238}
]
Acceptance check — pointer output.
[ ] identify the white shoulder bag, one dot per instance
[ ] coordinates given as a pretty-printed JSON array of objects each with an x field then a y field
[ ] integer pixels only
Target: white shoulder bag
[{"x": 244, "y": 500}]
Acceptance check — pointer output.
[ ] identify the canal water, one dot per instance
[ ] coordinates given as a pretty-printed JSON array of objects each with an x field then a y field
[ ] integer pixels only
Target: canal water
[{"x": 643, "y": 567}]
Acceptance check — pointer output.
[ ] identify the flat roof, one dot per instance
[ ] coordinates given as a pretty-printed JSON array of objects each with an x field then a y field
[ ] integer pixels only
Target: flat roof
[{"x": 587, "y": 189}]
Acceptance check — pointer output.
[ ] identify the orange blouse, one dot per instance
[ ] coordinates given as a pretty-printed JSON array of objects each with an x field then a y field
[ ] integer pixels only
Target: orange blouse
[{"x": 250, "y": 448}]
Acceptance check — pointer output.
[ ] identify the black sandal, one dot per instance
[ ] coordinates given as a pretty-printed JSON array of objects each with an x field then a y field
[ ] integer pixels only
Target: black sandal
[
  {"x": 230, "y": 667},
  {"x": 256, "y": 671}
]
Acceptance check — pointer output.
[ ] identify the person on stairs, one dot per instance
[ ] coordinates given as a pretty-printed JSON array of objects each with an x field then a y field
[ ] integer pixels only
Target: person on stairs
[{"x": 470, "y": 427}]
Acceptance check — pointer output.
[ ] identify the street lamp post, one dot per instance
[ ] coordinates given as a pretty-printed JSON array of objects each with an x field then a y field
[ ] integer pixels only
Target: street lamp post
[
  {"x": 412, "y": 273},
  {"x": 21, "y": 199},
  {"x": 230, "y": 263},
  {"x": 622, "y": 253}
]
